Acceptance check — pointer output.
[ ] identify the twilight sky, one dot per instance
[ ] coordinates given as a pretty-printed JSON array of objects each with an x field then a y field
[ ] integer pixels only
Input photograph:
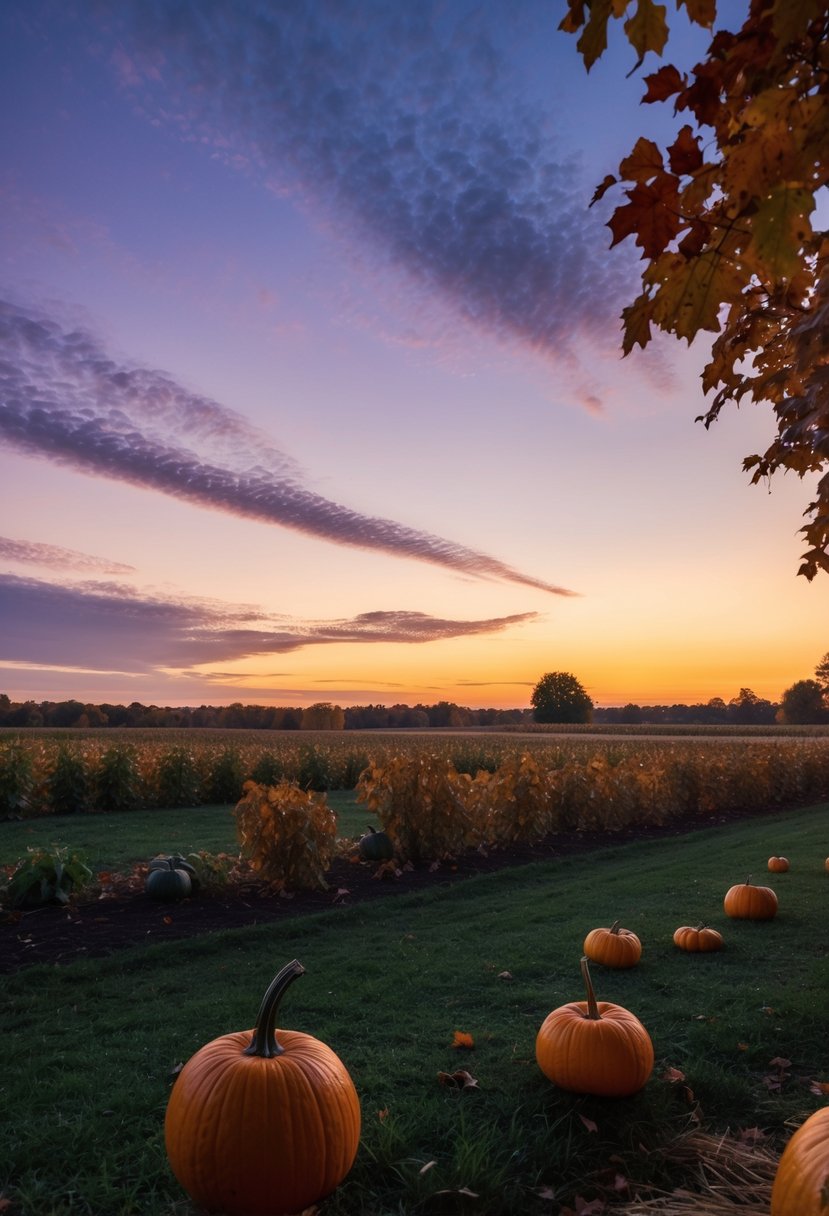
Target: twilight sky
[{"x": 310, "y": 382}]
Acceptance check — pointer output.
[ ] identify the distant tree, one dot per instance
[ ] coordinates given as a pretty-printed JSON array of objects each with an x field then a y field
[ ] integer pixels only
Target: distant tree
[
  {"x": 822, "y": 673},
  {"x": 803, "y": 704},
  {"x": 559, "y": 697},
  {"x": 323, "y": 716}
]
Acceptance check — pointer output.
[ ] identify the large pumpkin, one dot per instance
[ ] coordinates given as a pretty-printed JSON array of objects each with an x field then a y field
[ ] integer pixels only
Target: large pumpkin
[
  {"x": 803, "y": 1172},
  {"x": 594, "y": 1047},
  {"x": 747, "y": 902},
  {"x": 260, "y": 1127},
  {"x": 698, "y": 939},
  {"x": 614, "y": 947}
]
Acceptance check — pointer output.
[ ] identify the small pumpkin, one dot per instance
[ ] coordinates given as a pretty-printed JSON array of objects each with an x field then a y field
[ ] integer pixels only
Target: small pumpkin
[
  {"x": 376, "y": 846},
  {"x": 778, "y": 865},
  {"x": 698, "y": 939},
  {"x": 614, "y": 947},
  {"x": 826, "y": 865},
  {"x": 180, "y": 863},
  {"x": 257, "y": 1126},
  {"x": 799, "y": 1187},
  {"x": 594, "y": 1047},
  {"x": 747, "y": 902},
  {"x": 166, "y": 882}
]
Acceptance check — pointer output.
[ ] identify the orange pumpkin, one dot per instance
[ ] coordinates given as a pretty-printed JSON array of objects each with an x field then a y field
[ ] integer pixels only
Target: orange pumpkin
[
  {"x": 594, "y": 1047},
  {"x": 826, "y": 865},
  {"x": 698, "y": 940},
  {"x": 747, "y": 902},
  {"x": 800, "y": 1182},
  {"x": 614, "y": 947},
  {"x": 260, "y": 1126},
  {"x": 778, "y": 865}
]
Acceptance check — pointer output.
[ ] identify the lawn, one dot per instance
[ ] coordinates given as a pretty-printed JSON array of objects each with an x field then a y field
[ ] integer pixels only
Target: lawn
[
  {"x": 89, "y": 1047},
  {"x": 116, "y": 840}
]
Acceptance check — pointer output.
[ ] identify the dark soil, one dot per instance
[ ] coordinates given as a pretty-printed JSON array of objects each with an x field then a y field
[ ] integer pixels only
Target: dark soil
[{"x": 112, "y": 921}]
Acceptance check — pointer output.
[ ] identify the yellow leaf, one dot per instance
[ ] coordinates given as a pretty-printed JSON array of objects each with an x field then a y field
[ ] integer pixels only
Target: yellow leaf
[
  {"x": 780, "y": 227},
  {"x": 692, "y": 291},
  {"x": 647, "y": 29}
]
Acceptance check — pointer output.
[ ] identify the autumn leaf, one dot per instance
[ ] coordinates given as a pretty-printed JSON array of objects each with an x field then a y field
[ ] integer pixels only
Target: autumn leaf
[
  {"x": 505, "y": 975},
  {"x": 462, "y": 1040},
  {"x": 647, "y": 29},
  {"x": 652, "y": 215},
  {"x": 383, "y": 1114},
  {"x": 684, "y": 154},
  {"x": 601, "y": 190},
  {"x": 780, "y": 226},
  {"x": 643, "y": 163},
  {"x": 673, "y": 1075},
  {"x": 458, "y": 1080},
  {"x": 588, "y": 1123},
  {"x": 819, "y": 1087},
  {"x": 663, "y": 84},
  {"x": 424, "y": 1169}
]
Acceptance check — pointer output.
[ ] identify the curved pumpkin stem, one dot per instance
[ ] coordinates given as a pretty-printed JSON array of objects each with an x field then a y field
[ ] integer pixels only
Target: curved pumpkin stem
[
  {"x": 614, "y": 928},
  {"x": 264, "y": 1041},
  {"x": 592, "y": 1007}
]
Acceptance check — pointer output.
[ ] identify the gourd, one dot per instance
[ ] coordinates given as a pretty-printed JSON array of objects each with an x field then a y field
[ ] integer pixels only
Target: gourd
[
  {"x": 376, "y": 846},
  {"x": 260, "y": 1126},
  {"x": 778, "y": 865},
  {"x": 594, "y": 1047},
  {"x": 698, "y": 939},
  {"x": 747, "y": 902},
  {"x": 799, "y": 1187},
  {"x": 614, "y": 947},
  {"x": 167, "y": 882},
  {"x": 160, "y": 863}
]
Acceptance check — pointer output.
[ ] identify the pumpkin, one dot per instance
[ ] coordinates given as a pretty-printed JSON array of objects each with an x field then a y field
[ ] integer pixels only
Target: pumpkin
[
  {"x": 160, "y": 863},
  {"x": 826, "y": 865},
  {"x": 698, "y": 940},
  {"x": 799, "y": 1187},
  {"x": 376, "y": 846},
  {"x": 778, "y": 865},
  {"x": 614, "y": 947},
  {"x": 260, "y": 1126},
  {"x": 746, "y": 902},
  {"x": 167, "y": 882},
  {"x": 594, "y": 1047}
]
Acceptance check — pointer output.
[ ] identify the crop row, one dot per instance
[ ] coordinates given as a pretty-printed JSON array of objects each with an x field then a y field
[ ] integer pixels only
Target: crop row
[{"x": 522, "y": 788}]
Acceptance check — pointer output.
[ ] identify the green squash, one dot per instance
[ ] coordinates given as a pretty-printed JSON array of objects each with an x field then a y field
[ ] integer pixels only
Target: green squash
[
  {"x": 376, "y": 846},
  {"x": 166, "y": 882},
  {"x": 162, "y": 863}
]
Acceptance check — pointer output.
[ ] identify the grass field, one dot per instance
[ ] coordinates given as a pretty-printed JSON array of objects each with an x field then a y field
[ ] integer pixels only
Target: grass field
[
  {"x": 89, "y": 1047},
  {"x": 115, "y": 841}
]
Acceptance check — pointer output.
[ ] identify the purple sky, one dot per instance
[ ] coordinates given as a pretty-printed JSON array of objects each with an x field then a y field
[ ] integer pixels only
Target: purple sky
[{"x": 309, "y": 352}]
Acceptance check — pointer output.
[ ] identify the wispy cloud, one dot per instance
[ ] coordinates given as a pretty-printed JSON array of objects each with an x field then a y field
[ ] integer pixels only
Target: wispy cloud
[
  {"x": 34, "y": 553},
  {"x": 403, "y": 126},
  {"x": 63, "y": 397},
  {"x": 105, "y": 626}
]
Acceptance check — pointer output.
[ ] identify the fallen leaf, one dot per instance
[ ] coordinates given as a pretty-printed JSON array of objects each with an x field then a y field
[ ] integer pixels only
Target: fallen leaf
[
  {"x": 589, "y": 1124},
  {"x": 168, "y": 920},
  {"x": 752, "y": 1135},
  {"x": 819, "y": 1087},
  {"x": 621, "y": 1183},
  {"x": 463, "y": 1040},
  {"x": 462, "y": 1190},
  {"x": 505, "y": 975},
  {"x": 673, "y": 1075},
  {"x": 425, "y": 1168},
  {"x": 742, "y": 1046},
  {"x": 458, "y": 1080},
  {"x": 383, "y": 1114},
  {"x": 777, "y": 1062},
  {"x": 342, "y": 893}
]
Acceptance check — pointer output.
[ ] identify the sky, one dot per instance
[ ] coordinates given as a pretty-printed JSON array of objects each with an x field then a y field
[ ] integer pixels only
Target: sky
[{"x": 312, "y": 387}]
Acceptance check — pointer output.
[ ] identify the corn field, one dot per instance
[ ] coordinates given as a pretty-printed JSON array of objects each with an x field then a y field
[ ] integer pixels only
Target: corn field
[{"x": 496, "y": 788}]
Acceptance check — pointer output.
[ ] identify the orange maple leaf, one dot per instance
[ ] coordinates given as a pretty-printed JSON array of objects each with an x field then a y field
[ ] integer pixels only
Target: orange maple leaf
[{"x": 463, "y": 1040}]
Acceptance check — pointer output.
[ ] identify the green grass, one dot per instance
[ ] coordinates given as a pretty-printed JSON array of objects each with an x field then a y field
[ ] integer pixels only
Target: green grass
[
  {"x": 88, "y": 1047},
  {"x": 115, "y": 840}
]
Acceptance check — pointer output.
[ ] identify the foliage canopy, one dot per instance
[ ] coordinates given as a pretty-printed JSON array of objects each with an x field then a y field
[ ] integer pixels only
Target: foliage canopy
[
  {"x": 560, "y": 697},
  {"x": 724, "y": 217}
]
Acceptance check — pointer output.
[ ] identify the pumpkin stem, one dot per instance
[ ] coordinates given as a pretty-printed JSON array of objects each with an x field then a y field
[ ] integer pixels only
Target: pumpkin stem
[
  {"x": 592, "y": 1007},
  {"x": 264, "y": 1041},
  {"x": 614, "y": 928}
]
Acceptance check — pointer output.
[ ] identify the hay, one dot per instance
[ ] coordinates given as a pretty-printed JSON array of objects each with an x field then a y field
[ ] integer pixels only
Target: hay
[{"x": 729, "y": 1178}]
